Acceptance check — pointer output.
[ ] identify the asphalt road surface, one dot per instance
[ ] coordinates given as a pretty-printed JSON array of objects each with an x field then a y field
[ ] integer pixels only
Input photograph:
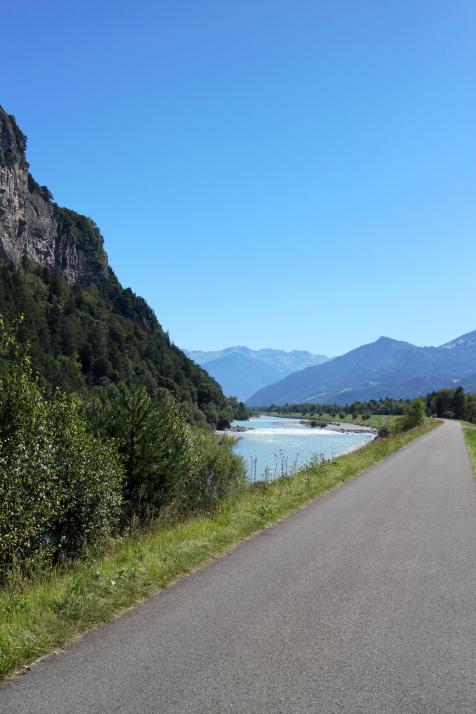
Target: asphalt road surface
[{"x": 365, "y": 601}]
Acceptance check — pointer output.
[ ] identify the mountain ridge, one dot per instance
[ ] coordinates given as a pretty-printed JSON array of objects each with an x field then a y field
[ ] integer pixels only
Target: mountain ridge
[
  {"x": 385, "y": 367},
  {"x": 241, "y": 371}
]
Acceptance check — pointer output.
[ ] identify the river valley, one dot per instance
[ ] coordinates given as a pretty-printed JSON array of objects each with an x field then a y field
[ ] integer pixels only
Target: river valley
[{"x": 278, "y": 446}]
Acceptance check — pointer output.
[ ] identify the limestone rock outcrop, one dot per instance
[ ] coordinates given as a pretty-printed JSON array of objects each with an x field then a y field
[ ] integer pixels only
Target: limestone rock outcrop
[{"x": 33, "y": 226}]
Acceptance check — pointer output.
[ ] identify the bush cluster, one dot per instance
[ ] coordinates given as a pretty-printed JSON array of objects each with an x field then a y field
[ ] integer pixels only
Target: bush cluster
[
  {"x": 413, "y": 417},
  {"x": 452, "y": 404},
  {"x": 214, "y": 472},
  {"x": 72, "y": 474},
  {"x": 166, "y": 461},
  {"x": 384, "y": 406},
  {"x": 60, "y": 488}
]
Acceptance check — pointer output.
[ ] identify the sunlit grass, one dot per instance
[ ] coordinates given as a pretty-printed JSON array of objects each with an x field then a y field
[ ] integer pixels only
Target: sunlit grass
[
  {"x": 42, "y": 614},
  {"x": 469, "y": 431}
]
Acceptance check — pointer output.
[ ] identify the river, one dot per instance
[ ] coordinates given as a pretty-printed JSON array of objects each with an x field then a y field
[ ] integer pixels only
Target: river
[{"x": 277, "y": 446}]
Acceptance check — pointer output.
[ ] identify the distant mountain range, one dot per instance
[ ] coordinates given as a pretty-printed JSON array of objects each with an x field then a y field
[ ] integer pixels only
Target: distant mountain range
[
  {"x": 241, "y": 371},
  {"x": 383, "y": 368}
]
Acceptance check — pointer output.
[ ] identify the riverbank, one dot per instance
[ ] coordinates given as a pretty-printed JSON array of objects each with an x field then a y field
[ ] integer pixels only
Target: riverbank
[
  {"x": 278, "y": 446},
  {"x": 374, "y": 421},
  {"x": 344, "y": 427},
  {"x": 339, "y": 426},
  {"x": 55, "y": 606}
]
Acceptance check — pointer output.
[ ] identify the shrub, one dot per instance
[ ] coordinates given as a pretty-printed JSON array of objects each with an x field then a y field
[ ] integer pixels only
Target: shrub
[
  {"x": 215, "y": 472},
  {"x": 60, "y": 489},
  {"x": 166, "y": 462},
  {"x": 88, "y": 477},
  {"x": 383, "y": 432},
  {"x": 153, "y": 439},
  {"x": 26, "y": 508},
  {"x": 414, "y": 416}
]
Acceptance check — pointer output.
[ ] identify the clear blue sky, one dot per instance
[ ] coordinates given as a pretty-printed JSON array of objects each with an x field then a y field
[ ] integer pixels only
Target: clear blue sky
[{"x": 275, "y": 173}]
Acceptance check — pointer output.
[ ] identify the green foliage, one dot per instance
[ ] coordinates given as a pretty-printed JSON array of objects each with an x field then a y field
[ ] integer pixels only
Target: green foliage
[
  {"x": 414, "y": 416},
  {"x": 452, "y": 404},
  {"x": 166, "y": 462},
  {"x": 20, "y": 137},
  {"x": 447, "y": 403},
  {"x": 26, "y": 508},
  {"x": 459, "y": 403},
  {"x": 69, "y": 472},
  {"x": 240, "y": 410},
  {"x": 85, "y": 234},
  {"x": 60, "y": 489},
  {"x": 85, "y": 336},
  {"x": 232, "y": 409},
  {"x": 382, "y": 407},
  {"x": 215, "y": 471},
  {"x": 88, "y": 477},
  {"x": 152, "y": 438}
]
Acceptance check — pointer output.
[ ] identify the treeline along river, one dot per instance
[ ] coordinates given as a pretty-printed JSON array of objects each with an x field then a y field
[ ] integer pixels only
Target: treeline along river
[{"x": 277, "y": 446}]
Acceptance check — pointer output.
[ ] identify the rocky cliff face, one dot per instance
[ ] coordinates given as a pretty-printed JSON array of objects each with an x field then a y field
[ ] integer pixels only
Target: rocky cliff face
[{"x": 33, "y": 226}]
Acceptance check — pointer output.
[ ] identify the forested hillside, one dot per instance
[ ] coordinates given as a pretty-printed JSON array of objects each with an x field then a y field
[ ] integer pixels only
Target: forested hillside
[
  {"x": 85, "y": 330},
  {"x": 83, "y": 336}
]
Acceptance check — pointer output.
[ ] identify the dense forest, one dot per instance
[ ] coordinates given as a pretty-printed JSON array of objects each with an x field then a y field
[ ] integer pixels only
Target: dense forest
[
  {"x": 85, "y": 337},
  {"x": 446, "y": 403}
]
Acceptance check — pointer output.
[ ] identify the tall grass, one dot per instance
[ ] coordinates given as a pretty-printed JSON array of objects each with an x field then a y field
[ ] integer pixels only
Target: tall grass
[
  {"x": 469, "y": 432},
  {"x": 55, "y": 605}
]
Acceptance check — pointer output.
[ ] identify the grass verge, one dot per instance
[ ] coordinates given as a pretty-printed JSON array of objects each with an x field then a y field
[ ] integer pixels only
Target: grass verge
[
  {"x": 469, "y": 431},
  {"x": 39, "y": 615}
]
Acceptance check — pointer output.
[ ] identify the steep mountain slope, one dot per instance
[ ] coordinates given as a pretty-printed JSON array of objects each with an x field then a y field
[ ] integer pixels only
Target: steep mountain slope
[
  {"x": 469, "y": 383},
  {"x": 462, "y": 346},
  {"x": 33, "y": 226},
  {"x": 84, "y": 328},
  {"x": 242, "y": 371},
  {"x": 383, "y": 368}
]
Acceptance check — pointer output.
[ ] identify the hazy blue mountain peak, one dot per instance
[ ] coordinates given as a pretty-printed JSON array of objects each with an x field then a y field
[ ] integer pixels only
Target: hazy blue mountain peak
[
  {"x": 386, "y": 367},
  {"x": 467, "y": 340},
  {"x": 241, "y": 371}
]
